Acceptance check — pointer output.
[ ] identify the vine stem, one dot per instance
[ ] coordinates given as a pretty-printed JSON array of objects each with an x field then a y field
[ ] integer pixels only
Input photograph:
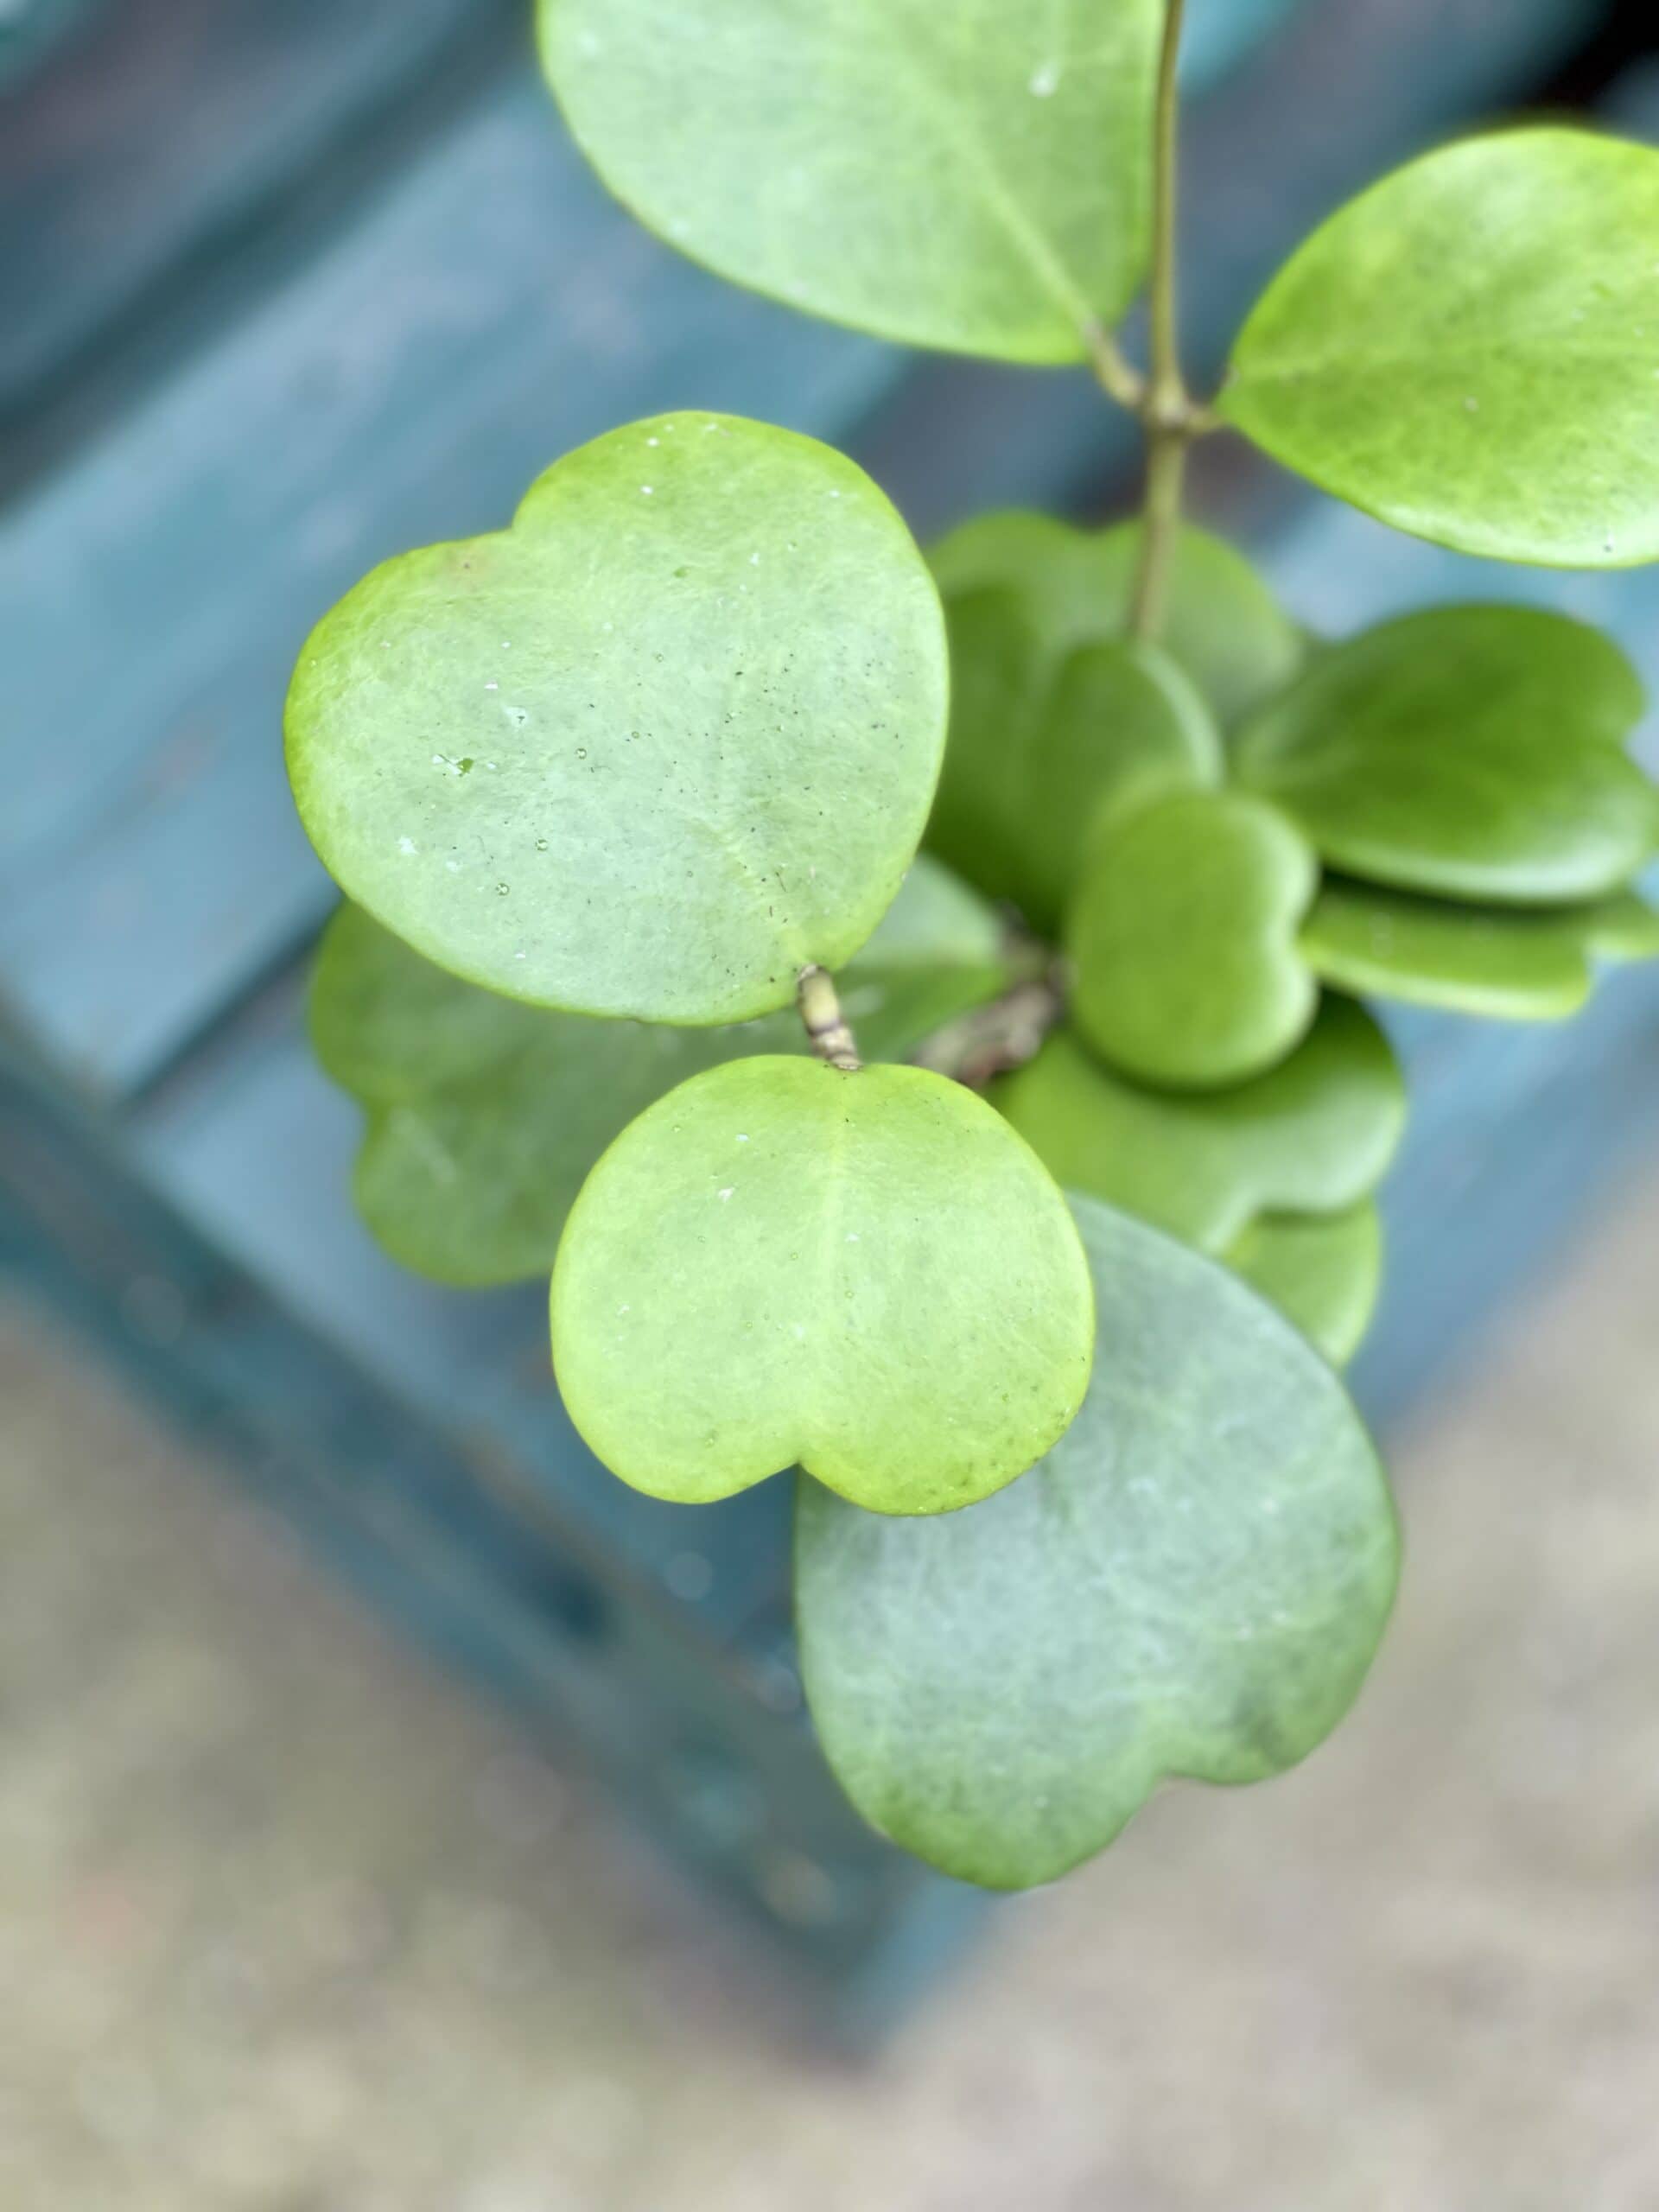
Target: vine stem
[
  {"x": 1167, "y": 409},
  {"x": 826, "y": 1025}
]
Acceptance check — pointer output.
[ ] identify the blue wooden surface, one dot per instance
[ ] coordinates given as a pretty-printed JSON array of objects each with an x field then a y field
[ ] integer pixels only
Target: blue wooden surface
[
  {"x": 164, "y": 128},
  {"x": 394, "y": 369}
]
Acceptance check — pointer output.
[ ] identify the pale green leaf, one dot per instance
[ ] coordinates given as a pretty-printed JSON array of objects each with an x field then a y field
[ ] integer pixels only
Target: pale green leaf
[
  {"x": 1468, "y": 351},
  {"x": 1315, "y": 1135},
  {"x": 665, "y": 741},
  {"x": 1192, "y": 1583},
  {"x": 1076, "y": 588},
  {"x": 975, "y": 176},
  {"x": 485, "y": 1114},
  {"x": 1324, "y": 1270},
  {"x": 867, "y": 1273},
  {"x": 1473, "y": 751},
  {"x": 1182, "y": 939}
]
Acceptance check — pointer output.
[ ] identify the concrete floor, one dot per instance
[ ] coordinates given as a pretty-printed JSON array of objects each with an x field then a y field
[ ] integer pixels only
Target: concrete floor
[{"x": 289, "y": 1922}]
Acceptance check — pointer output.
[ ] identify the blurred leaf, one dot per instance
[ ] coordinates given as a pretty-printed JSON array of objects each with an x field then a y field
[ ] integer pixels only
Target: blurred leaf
[
  {"x": 1315, "y": 1135},
  {"x": 1473, "y": 752},
  {"x": 1511, "y": 965},
  {"x": 1622, "y": 928},
  {"x": 1324, "y": 1271},
  {"x": 1076, "y": 587},
  {"x": 485, "y": 1114},
  {"x": 1467, "y": 350},
  {"x": 1182, "y": 939},
  {"x": 867, "y": 1273},
  {"x": 974, "y": 176},
  {"x": 1026, "y": 779},
  {"x": 1193, "y": 1583},
  {"x": 666, "y": 739}
]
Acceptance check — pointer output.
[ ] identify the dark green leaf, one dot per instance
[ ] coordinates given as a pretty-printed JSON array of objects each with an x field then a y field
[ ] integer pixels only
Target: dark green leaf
[
  {"x": 1468, "y": 351},
  {"x": 1324, "y": 1270},
  {"x": 1474, "y": 752},
  {"x": 1182, "y": 939},
  {"x": 668, "y": 738},
  {"x": 974, "y": 176},
  {"x": 1027, "y": 778},
  {"x": 1192, "y": 1583},
  {"x": 867, "y": 1273},
  {"x": 1076, "y": 588},
  {"x": 1315, "y": 1135},
  {"x": 485, "y": 1114}
]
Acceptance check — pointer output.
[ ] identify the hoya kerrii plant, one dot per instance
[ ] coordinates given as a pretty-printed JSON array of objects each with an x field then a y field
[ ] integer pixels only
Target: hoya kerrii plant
[{"x": 1018, "y": 1189}]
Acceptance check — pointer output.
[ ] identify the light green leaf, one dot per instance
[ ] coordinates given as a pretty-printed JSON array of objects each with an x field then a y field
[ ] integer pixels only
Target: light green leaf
[
  {"x": 1076, "y": 587},
  {"x": 1474, "y": 752},
  {"x": 1182, "y": 939},
  {"x": 485, "y": 1114},
  {"x": 1324, "y": 1270},
  {"x": 868, "y": 1273},
  {"x": 975, "y": 176},
  {"x": 1468, "y": 351},
  {"x": 1026, "y": 779},
  {"x": 668, "y": 738},
  {"x": 1315, "y": 1135},
  {"x": 1192, "y": 1583}
]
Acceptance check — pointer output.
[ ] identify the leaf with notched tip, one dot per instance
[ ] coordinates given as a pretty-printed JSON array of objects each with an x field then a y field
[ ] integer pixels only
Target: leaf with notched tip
[
  {"x": 669, "y": 738},
  {"x": 1192, "y": 1584},
  {"x": 867, "y": 1273}
]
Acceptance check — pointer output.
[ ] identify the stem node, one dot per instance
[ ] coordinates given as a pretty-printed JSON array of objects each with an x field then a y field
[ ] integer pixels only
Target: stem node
[{"x": 825, "y": 1024}]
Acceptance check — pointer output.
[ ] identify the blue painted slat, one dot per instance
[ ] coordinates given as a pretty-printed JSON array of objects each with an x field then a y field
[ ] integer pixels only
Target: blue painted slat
[
  {"x": 255, "y": 1151},
  {"x": 164, "y": 128},
  {"x": 493, "y": 311},
  {"x": 1220, "y": 33}
]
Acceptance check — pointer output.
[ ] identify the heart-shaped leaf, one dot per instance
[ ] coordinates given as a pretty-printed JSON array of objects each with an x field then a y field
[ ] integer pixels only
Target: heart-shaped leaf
[
  {"x": 1467, "y": 350},
  {"x": 1076, "y": 588},
  {"x": 1507, "y": 963},
  {"x": 973, "y": 176},
  {"x": 1026, "y": 779},
  {"x": 667, "y": 740},
  {"x": 1324, "y": 1270},
  {"x": 867, "y": 1273},
  {"x": 1192, "y": 1584},
  {"x": 485, "y": 1114},
  {"x": 1182, "y": 939},
  {"x": 1315, "y": 1135},
  {"x": 1474, "y": 752}
]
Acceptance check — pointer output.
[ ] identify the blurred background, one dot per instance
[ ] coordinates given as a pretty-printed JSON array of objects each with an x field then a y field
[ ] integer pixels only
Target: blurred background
[{"x": 394, "y": 1812}]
